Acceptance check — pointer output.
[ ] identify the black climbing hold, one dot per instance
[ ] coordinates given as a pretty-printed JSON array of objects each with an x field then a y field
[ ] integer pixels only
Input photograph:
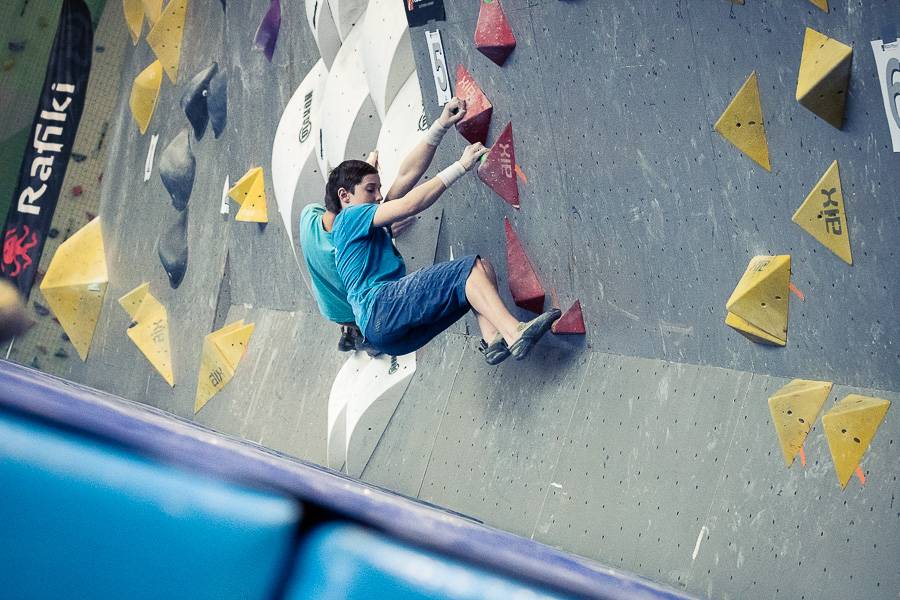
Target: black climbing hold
[
  {"x": 54, "y": 232},
  {"x": 60, "y": 353},
  {"x": 173, "y": 249},
  {"x": 217, "y": 102},
  {"x": 41, "y": 309},
  {"x": 193, "y": 102},
  {"x": 16, "y": 46},
  {"x": 176, "y": 169},
  {"x": 78, "y": 157}
]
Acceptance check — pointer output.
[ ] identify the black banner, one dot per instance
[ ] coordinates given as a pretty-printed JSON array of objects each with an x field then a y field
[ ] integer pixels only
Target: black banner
[
  {"x": 420, "y": 12},
  {"x": 47, "y": 156}
]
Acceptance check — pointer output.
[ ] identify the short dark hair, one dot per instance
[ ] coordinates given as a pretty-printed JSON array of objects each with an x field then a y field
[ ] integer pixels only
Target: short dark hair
[{"x": 346, "y": 175}]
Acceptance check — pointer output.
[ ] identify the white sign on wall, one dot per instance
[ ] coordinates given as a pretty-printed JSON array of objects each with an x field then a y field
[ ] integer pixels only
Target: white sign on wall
[
  {"x": 439, "y": 67},
  {"x": 887, "y": 61}
]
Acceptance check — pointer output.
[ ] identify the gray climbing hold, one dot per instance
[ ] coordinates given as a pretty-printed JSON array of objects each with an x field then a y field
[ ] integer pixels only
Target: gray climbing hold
[
  {"x": 176, "y": 169},
  {"x": 217, "y": 102},
  {"x": 193, "y": 102},
  {"x": 173, "y": 249}
]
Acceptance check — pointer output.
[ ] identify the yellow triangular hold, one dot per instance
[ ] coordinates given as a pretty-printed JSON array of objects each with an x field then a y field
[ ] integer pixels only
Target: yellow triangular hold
[
  {"x": 761, "y": 296},
  {"x": 132, "y": 300},
  {"x": 75, "y": 284},
  {"x": 144, "y": 94},
  {"x": 149, "y": 330},
  {"x": 134, "y": 18},
  {"x": 822, "y": 214},
  {"x": 821, "y": 4},
  {"x": 754, "y": 334},
  {"x": 222, "y": 351},
  {"x": 742, "y": 123},
  {"x": 250, "y": 193},
  {"x": 824, "y": 76},
  {"x": 794, "y": 410},
  {"x": 152, "y": 10},
  {"x": 165, "y": 37},
  {"x": 233, "y": 345},
  {"x": 849, "y": 428}
]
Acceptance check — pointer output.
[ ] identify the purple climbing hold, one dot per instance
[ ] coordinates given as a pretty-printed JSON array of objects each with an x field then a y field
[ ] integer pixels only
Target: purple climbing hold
[{"x": 267, "y": 34}]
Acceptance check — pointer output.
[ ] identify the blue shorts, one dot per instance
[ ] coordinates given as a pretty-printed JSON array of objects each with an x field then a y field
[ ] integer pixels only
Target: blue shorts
[{"x": 408, "y": 313}]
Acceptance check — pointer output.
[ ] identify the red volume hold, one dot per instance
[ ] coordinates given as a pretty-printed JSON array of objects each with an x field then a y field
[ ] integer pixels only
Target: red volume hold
[
  {"x": 571, "y": 323},
  {"x": 493, "y": 36},
  {"x": 498, "y": 170},
  {"x": 524, "y": 285},
  {"x": 474, "y": 126}
]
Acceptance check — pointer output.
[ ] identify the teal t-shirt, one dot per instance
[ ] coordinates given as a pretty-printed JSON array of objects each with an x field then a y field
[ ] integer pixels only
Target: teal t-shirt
[
  {"x": 318, "y": 252},
  {"x": 366, "y": 258}
]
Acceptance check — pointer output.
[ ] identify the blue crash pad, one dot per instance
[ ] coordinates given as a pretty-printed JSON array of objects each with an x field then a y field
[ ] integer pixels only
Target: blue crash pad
[
  {"x": 84, "y": 519},
  {"x": 347, "y": 562}
]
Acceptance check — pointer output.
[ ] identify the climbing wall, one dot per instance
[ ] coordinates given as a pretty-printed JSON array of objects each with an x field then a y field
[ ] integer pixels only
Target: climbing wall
[
  {"x": 634, "y": 203},
  {"x": 646, "y": 444}
]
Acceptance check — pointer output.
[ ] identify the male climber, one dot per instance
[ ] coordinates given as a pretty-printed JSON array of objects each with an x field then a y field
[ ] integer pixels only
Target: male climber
[
  {"x": 400, "y": 313},
  {"x": 316, "y": 223}
]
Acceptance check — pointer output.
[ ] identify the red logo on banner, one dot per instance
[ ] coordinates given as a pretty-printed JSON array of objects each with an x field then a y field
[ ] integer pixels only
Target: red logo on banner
[{"x": 15, "y": 250}]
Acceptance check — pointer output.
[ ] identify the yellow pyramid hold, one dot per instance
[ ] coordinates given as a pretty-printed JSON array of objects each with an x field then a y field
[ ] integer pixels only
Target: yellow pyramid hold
[
  {"x": 742, "y": 123},
  {"x": 822, "y": 4},
  {"x": 250, "y": 193},
  {"x": 134, "y": 18},
  {"x": 149, "y": 329},
  {"x": 754, "y": 334},
  {"x": 222, "y": 351},
  {"x": 822, "y": 214},
  {"x": 131, "y": 301},
  {"x": 794, "y": 409},
  {"x": 824, "y": 76},
  {"x": 165, "y": 37},
  {"x": 144, "y": 94},
  {"x": 152, "y": 10},
  {"x": 761, "y": 296},
  {"x": 75, "y": 285},
  {"x": 849, "y": 428}
]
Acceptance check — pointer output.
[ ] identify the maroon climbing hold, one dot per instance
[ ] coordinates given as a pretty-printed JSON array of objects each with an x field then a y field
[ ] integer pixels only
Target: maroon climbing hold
[
  {"x": 493, "y": 36},
  {"x": 498, "y": 170},
  {"x": 474, "y": 126},
  {"x": 524, "y": 285},
  {"x": 571, "y": 323},
  {"x": 77, "y": 191}
]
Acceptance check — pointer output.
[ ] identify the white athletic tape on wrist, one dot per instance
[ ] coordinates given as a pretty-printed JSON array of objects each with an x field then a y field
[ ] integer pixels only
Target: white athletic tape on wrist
[
  {"x": 435, "y": 134},
  {"x": 449, "y": 175}
]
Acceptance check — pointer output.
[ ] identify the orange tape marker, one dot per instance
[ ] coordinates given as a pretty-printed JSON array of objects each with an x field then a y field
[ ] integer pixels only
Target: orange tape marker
[
  {"x": 802, "y": 457},
  {"x": 860, "y": 475},
  {"x": 521, "y": 174},
  {"x": 797, "y": 292}
]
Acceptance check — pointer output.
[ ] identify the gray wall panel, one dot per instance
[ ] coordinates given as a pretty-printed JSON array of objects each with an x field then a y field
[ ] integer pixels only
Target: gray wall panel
[
  {"x": 500, "y": 435},
  {"x": 403, "y": 452}
]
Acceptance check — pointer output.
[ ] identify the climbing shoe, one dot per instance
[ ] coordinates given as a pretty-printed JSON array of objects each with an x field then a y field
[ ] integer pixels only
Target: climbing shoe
[
  {"x": 363, "y": 345},
  {"x": 495, "y": 352},
  {"x": 532, "y": 332},
  {"x": 347, "y": 343}
]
